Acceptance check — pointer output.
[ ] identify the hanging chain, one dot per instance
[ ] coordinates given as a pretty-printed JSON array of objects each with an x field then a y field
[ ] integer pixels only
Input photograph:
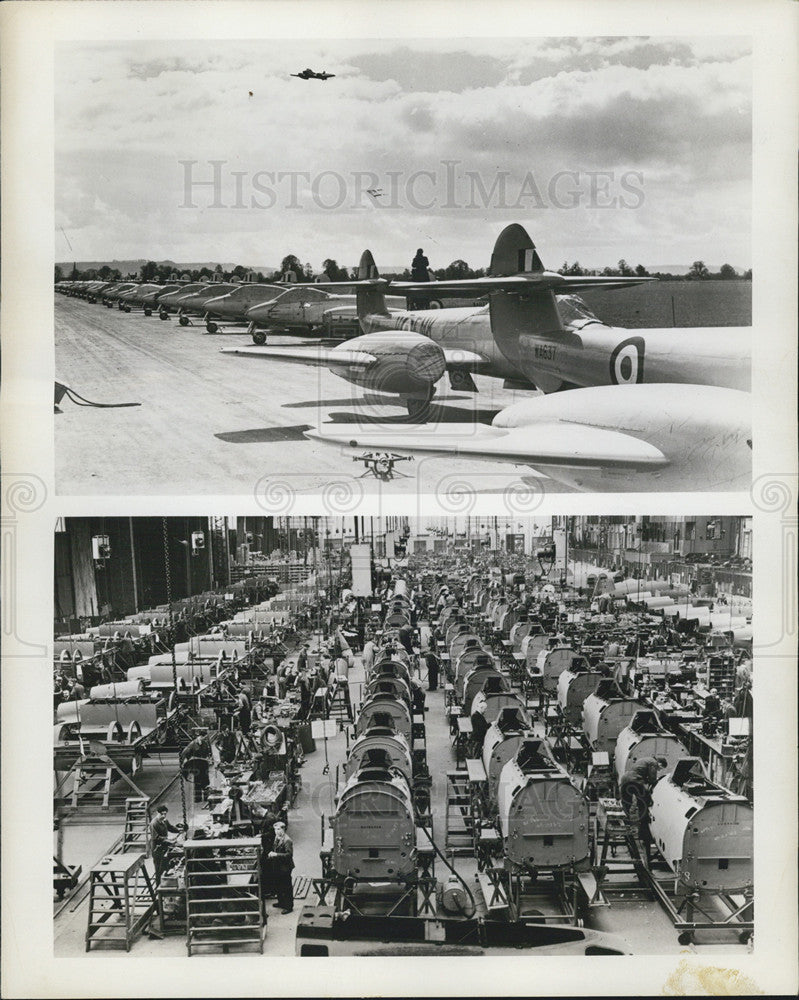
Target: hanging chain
[{"x": 178, "y": 728}]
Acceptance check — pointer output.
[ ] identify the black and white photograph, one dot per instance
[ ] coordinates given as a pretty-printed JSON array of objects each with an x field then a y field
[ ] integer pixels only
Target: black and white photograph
[
  {"x": 451, "y": 736},
  {"x": 395, "y": 263},
  {"x": 398, "y": 432}
]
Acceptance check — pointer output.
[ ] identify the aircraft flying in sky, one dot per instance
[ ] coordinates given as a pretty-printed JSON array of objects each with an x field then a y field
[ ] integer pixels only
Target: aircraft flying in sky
[{"x": 310, "y": 74}]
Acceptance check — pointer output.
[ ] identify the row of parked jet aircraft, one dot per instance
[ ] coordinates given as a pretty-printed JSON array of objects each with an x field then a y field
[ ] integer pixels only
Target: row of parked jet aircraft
[
  {"x": 285, "y": 306},
  {"x": 616, "y": 410}
]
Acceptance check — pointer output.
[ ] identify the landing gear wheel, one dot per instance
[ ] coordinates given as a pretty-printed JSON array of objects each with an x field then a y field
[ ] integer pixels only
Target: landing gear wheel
[
  {"x": 259, "y": 337},
  {"x": 687, "y": 937},
  {"x": 419, "y": 409},
  {"x": 148, "y": 311},
  {"x": 745, "y": 937},
  {"x": 162, "y": 314},
  {"x": 184, "y": 320},
  {"x": 211, "y": 327}
]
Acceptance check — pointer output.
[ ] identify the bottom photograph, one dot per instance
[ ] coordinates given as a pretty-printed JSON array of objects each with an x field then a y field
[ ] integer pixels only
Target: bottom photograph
[{"x": 323, "y": 736}]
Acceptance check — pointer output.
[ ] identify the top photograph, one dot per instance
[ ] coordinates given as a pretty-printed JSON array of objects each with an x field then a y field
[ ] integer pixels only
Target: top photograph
[{"x": 365, "y": 267}]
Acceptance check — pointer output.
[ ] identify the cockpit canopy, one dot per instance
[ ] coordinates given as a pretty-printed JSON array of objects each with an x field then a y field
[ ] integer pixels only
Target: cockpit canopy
[{"x": 574, "y": 312}]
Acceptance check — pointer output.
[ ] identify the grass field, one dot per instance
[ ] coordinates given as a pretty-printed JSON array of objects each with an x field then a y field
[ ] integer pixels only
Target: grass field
[{"x": 694, "y": 303}]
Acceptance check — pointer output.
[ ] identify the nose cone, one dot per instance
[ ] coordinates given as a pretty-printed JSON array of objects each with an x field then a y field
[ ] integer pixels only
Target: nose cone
[
  {"x": 220, "y": 306},
  {"x": 426, "y": 363},
  {"x": 193, "y": 301},
  {"x": 261, "y": 313}
]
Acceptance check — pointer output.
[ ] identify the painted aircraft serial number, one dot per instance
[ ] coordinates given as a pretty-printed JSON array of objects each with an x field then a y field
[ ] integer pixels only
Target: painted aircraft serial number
[{"x": 545, "y": 351}]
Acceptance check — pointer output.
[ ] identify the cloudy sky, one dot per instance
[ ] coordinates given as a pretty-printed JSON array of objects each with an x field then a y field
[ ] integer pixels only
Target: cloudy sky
[{"x": 602, "y": 147}]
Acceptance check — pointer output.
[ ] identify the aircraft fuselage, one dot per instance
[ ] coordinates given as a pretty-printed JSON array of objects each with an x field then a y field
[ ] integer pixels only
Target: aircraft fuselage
[{"x": 588, "y": 353}]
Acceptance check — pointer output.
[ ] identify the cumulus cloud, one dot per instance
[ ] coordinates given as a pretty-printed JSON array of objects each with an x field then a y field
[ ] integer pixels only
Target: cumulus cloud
[{"x": 506, "y": 115}]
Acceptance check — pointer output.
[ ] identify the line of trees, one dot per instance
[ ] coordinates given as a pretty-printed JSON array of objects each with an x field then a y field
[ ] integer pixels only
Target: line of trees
[
  {"x": 698, "y": 271},
  {"x": 154, "y": 272}
]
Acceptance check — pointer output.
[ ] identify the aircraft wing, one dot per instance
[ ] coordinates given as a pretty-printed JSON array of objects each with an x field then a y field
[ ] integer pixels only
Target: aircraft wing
[
  {"x": 555, "y": 443},
  {"x": 544, "y": 280},
  {"x": 312, "y": 357}
]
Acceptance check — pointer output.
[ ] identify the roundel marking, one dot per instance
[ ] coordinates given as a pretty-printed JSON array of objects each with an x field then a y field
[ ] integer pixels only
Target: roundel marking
[{"x": 627, "y": 362}]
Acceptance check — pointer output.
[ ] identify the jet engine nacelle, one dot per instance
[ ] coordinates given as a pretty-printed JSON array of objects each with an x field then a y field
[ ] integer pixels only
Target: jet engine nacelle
[{"x": 406, "y": 363}]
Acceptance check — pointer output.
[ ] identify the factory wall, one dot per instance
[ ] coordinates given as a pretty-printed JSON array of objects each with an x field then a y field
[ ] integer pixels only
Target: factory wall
[{"x": 132, "y": 578}]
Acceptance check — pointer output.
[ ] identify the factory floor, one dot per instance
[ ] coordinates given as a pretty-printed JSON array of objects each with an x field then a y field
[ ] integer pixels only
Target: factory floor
[{"x": 644, "y": 926}]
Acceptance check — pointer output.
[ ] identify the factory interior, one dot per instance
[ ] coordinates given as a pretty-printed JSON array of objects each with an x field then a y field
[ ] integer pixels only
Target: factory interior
[{"x": 402, "y": 736}]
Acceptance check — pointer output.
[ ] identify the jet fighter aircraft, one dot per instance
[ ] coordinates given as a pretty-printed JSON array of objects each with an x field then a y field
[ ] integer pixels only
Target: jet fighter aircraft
[
  {"x": 304, "y": 308},
  {"x": 310, "y": 74},
  {"x": 150, "y": 299},
  {"x": 194, "y": 303},
  {"x": 625, "y": 414},
  {"x": 111, "y": 295},
  {"x": 534, "y": 333},
  {"x": 170, "y": 302},
  {"x": 135, "y": 296},
  {"x": 621, "y": 438},
  {"x": 233, "y": 306}
]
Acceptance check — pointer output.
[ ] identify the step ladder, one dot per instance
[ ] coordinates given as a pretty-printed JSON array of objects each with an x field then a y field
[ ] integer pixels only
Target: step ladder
[
  {"x": 618, "y": 871},
  {"x": 121, "y": 901},
  {"x": 459, "y": 829},
  {"x": 92, "y": 784},
  {"x": 339, "y": 704},
  {"x": 137, "y": 826},
  {"x": 224, "y": 908}
]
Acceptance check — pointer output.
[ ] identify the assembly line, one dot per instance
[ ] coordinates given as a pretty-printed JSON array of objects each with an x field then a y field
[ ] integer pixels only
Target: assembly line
[
  {"x": 424, "y": 744},
  {"x": 594, "y": 408}
]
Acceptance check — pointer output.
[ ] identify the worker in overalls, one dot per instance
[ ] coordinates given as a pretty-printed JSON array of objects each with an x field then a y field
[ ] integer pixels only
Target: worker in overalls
[
  {"x": 431, "y": 661},
  {"x": 160, "y": 828},
  {"x": 267, "y": 865},
  {"x": 282, "y": 855},
  {"x": 635, "y": 794},
  {"x": 196, "y": 761},
  {"x": 240, "y": 817}
]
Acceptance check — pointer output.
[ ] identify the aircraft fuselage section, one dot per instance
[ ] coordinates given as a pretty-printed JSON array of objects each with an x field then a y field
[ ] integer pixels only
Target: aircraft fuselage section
[
  {"x": 596, "y": 354},
  {"x": 587, "y": 354},
  {"x": 467, "y": 329}
]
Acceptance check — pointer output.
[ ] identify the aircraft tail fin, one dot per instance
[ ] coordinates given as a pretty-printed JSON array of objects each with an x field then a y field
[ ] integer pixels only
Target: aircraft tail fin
[
  {"x": 370, "y": 292},
  {"x": 515, "y": 253},
  {"x": 530, "y": 310}
]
